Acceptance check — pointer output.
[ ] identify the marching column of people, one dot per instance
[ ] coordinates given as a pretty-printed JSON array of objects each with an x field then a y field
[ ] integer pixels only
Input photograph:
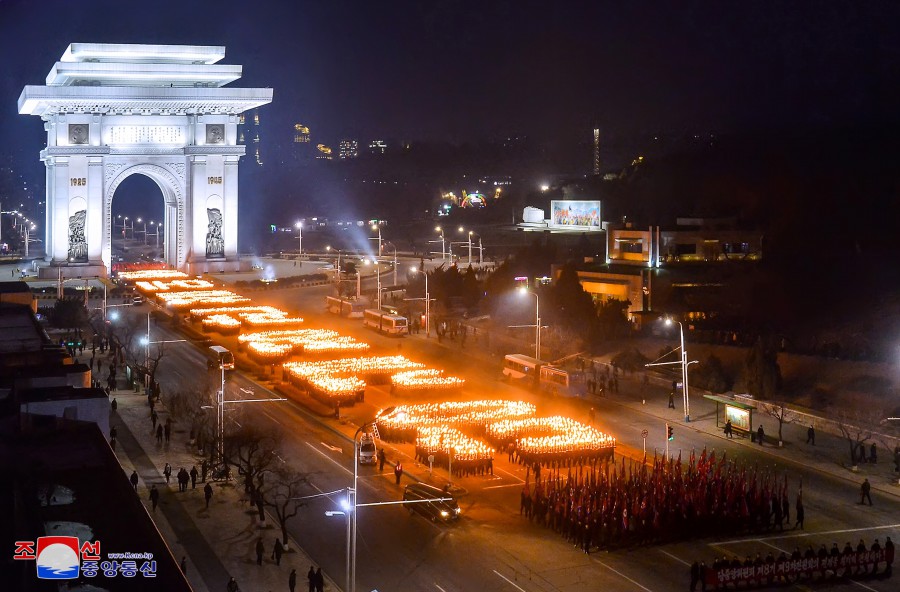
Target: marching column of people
[{"x": 604, "y": 506}]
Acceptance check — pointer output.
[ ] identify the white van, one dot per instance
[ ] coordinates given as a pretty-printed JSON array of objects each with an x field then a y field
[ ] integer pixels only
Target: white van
[{"x": 367, "y": 450}]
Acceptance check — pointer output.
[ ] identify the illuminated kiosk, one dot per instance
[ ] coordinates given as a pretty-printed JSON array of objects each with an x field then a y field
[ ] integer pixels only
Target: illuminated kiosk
[{"x": 114, "y": 110}]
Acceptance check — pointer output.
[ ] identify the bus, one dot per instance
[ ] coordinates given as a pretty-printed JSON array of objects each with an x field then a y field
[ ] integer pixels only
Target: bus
[
  {"x": 554, "y": 380},
  {"x": 535, "y": 372},
  {"x": 384, "y": 322},
  {"x": 219, "y": 358},
  {"x": 352, "y": 309},
  {"x": 522, "y": 367}
]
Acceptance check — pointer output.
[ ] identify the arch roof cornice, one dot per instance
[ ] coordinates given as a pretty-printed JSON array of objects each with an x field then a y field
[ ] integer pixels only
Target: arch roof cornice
[{"x": 47, "y": 100}]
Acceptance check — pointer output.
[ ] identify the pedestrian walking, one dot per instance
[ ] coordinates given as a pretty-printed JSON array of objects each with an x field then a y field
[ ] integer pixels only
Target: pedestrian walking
[
  {"x": 873, "y": 454},
  {"x": 154, "y": 417},
  {"x": 159, "y": 434},
  {"x": 183, "y": 565},
  {"x": 292, "y": 580},
  {"x": 277, "y": 551},
  {"x": 811, "y": 435},
  {"x": 380, "y": 459},
  {"x": 167, "y": 472},
  {"x": 260, "y": 549},
  {"x": 695, "y": 575},
  {"x": 154, "y": 496},
  {"x": 113, "y": 435},
  {"x": 182, "y": 479},
  {"x": 865, "y": 491},
  {"x": 728, "y": 429},
  {"x": 760, "y": 434},
  {"x": 194, "y": 474},
  {"x": 134, "y": 480},
  {"x": 398, "y": 472},
  {"x": 671, "y": 399},
  {"x": 207, "y": 493},
  {"x": 320, "y": 581},
  {"x": 113, "y": 404},
  {"x": 232, "y": 586},
  {"x": 168, "y": 430},
  {"x": 591, "y": 415},
  {"x": 311, "y": 576}
]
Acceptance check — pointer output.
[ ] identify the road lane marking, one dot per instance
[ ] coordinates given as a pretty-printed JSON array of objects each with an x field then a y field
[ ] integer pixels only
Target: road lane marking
[
  {"x": 805, "y": 534},
  {"x": 516, "y": 586},
  {"x": 862, "y": 585},
  {"x": 332, "y": 448},
  {"x": 439, "y": 588},
  {"x": 501, "y": 486},
  {"x": 343, "y": 468},
  {"x": 620, "y": 574},
  {"x": 679, "y": 560},
  {"x": 499, "y": 470}
]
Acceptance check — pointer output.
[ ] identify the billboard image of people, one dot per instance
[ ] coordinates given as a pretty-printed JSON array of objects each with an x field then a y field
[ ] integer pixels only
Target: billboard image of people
[{"x": 575, "y": 213}]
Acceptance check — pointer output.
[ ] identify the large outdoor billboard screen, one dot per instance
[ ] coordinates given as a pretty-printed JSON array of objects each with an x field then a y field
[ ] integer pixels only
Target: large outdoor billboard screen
[{"x": 584, "y": 214}]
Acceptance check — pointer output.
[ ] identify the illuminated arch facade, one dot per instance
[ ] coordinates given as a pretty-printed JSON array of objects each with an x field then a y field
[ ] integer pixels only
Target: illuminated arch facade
[{"x": 163, "y": 111}]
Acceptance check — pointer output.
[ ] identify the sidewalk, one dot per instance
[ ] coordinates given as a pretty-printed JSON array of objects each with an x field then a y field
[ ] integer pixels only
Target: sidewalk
[{"x": 218, "y": 542}]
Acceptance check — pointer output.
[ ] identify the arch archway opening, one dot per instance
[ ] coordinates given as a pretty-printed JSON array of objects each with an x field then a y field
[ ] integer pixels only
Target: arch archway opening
[{"x": 142, "y": 227}]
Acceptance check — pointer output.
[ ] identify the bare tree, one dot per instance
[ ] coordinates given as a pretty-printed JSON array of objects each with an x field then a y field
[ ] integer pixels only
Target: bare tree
[
  {"x": 144, "y": 358},
  {"x": 281, "y": 493},
  {"x": 253, "y": 451},
  {"x": 857, "y": 421},
  {"x": 781, "y": 413}
]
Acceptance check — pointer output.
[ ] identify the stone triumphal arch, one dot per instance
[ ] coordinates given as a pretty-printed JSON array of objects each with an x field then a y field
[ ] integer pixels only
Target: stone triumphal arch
[{"x": 163, "y": 111}]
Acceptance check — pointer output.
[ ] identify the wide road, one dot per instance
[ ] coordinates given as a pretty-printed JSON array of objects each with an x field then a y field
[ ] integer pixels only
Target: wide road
[{"x": 491, "y": 546}]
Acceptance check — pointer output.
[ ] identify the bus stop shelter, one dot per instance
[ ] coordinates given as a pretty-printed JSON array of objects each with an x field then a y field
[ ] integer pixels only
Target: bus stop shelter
[{"x": 740, "y": 414}]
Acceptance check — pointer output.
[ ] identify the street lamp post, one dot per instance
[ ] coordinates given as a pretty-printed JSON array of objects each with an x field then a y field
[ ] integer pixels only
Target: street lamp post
[
  {"x": 378, "y": 228},
  {"x": 395, "y": 263},
  {"x": 144, "y": 222},
  {"x": 684, "y": 371},
  {"x": 470, "y": 233},
  {"x": 352, "y": 501},
  {"x": 427, "y": 303},
  {"x": 537, "y": 322},
  {"x": 378, "y": 282},
  {"x": 443, "y": 248},
  {"x": 299, "y": 226}
]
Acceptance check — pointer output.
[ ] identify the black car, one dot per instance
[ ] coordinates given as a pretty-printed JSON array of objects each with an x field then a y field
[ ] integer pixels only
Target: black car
[{"x": 444, "y": 511}]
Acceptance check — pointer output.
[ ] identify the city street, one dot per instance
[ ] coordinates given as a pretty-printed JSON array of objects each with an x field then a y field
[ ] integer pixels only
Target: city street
[{"x": 492, "y": 544}]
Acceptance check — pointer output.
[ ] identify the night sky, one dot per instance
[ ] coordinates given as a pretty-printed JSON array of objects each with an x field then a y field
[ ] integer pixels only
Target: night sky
[{"x": 461, "y": 71}]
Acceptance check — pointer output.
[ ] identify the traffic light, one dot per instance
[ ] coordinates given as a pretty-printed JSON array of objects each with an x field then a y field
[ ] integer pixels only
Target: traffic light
[{"x": 670, "y": 434}]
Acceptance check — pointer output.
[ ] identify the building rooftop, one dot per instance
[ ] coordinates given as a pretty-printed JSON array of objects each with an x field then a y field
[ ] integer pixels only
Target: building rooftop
[
  {"x": 14, "y": 287},
  {"x": 65, "y": 480},
  {"x": 19, "y": 330}
]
